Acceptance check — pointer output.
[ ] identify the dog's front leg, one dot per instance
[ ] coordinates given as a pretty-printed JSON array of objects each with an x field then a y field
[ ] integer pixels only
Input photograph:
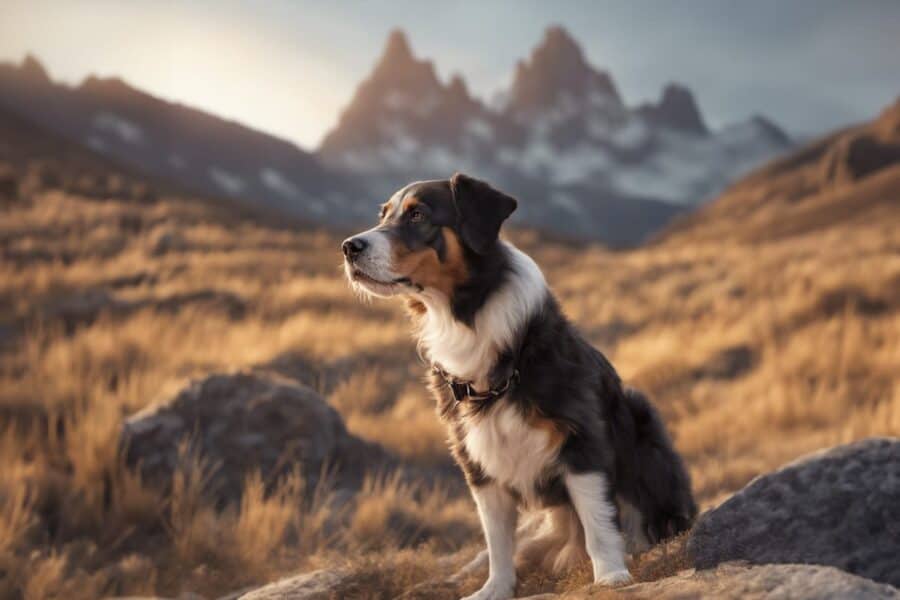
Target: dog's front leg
[
  {"x": 589, "y": 494},
  {"x": 497, "y": 510}
]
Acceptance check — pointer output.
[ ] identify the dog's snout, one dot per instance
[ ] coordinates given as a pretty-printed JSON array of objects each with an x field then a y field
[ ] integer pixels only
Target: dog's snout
[{"x": 353, "y": 247}]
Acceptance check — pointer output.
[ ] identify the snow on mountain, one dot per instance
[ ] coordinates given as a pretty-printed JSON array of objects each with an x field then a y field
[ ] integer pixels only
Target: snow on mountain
[
  {"x": 227, "y": 181},
  {"x": 126, "y": 130},
  {"x": 561, "y": 137},
  {"x": 278, "y": 182}
]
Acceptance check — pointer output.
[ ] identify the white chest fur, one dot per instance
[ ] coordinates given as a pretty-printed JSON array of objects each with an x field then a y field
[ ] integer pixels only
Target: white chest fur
[
  {"x": 468, "y": 352},
  {"x": 509, "y": 449}
]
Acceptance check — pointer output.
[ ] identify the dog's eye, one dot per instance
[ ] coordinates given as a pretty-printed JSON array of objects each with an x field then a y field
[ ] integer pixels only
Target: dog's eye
[{"x": 416, "y": 216}]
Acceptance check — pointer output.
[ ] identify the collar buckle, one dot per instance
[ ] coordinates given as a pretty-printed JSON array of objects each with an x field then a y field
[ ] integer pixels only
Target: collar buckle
[{"x": 464, "y": 390}]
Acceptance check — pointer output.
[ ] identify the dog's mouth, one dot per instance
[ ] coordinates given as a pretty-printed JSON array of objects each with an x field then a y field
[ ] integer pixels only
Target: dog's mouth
[
  {"x": 358, "y": 275},
  {"x": 379, "y": 286}
]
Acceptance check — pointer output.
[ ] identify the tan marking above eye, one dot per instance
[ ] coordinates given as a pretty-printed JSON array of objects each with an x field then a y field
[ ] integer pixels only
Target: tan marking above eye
[{"x": 408, "y": 203}]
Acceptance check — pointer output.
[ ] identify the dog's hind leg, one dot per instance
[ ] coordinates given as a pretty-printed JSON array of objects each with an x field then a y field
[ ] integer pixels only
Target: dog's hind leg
[
  {"x": 551, "y": 539},
  {"x": 604, "y": 543}
]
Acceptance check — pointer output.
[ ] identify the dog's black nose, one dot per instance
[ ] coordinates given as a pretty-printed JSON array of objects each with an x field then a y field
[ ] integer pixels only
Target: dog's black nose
[{"x": 353, "y": 247}]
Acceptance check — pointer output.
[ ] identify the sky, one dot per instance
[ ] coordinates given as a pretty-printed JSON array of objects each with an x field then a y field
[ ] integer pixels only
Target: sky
[{"x": 288, "y": 68}]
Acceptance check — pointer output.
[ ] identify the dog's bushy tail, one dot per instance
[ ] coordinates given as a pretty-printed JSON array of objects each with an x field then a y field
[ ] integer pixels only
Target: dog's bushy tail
[{"x": 658, "y": 485}]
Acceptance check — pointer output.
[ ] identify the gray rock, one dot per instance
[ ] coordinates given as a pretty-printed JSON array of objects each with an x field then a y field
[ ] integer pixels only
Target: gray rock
[
  {"x": 730, "y": 580},
  {"x": 840, "y": 508},
  {"x": 854, "y": 157},
  {"x": 245, "y": 421},
  {"x": 317, "y": 585}
]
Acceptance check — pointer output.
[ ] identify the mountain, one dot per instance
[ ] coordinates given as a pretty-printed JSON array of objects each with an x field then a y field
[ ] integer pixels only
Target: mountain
[
  {"x": 850, "y": 176},
  {"x": 676, "y": 110},
  {"x": 197, "y": 150},
  {"x": 561, "y": 138},
  {"x": 583, "y": 163}
]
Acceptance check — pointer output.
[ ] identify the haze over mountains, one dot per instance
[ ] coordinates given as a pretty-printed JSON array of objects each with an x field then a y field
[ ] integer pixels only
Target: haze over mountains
[{"x": 560, "y": 138}]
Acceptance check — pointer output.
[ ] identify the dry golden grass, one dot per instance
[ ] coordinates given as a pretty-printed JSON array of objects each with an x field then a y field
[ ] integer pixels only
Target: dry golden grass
[{"x": 755, "y": 352}]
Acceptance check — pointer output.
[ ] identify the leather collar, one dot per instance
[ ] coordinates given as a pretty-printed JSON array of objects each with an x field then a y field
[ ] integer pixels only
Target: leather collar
[{"x": 464, "y": 390}]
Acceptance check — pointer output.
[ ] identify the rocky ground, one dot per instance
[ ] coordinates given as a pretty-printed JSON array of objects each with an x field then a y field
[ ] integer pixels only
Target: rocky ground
[{"x": 824, "y": 526}]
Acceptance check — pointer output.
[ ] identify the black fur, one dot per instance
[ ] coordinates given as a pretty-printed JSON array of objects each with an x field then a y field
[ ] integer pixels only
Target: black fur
[
  {"x": 481, "y": 210},
  {"x": 487, "y": 273},
  {"x": 606, "y": 427},
  {"x": 609, "y": 428}
]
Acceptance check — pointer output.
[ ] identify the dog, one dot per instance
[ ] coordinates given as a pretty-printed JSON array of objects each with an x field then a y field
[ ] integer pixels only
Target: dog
[{"x": 538, "y": 420}]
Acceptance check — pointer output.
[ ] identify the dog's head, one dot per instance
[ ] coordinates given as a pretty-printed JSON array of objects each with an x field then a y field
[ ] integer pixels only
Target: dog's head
[{"x": 428, "y": 236}]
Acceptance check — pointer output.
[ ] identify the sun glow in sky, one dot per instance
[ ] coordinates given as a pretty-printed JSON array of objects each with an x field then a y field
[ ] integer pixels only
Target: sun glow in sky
[{"x": 288, "y": 68}]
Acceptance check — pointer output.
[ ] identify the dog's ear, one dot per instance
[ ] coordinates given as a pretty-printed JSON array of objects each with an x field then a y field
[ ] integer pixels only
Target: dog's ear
[{"x": 480, "y": 210}]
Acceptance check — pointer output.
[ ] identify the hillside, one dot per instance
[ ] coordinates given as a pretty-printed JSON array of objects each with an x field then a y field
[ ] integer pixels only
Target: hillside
[
  {"x": 180, "y": 144},
  {"x": 765, "y": 327},
  {"x": 852, "y": 175}
]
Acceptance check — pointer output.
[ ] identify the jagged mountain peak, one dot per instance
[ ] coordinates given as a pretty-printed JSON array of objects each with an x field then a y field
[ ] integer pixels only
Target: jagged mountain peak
[
  {"x": 676, "y": 109},
  {"x": 397, "y": 50},
  {"x": 772, "y": 130},
  {"x": 558, "y": 48},
  {"x": 32, "y": 68},
  {"x": 678, "y": 97},
  {"x": 457, "y": 87},
  {"x": 399, "y": 67},
  {"x": 106, "y": 85},
  {"x": 557, "y": 67},
  {"x": 402, "y": 99},
  {"x": 888, "y": 122}
]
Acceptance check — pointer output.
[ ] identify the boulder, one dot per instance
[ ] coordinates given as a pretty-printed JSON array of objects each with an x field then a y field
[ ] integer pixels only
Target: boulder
[
  {"x": 840, "y": 507},
  {"x": 797, "y": 582},
  {"x": 317, "y": 585},
  {"x": 727, "y": 581},
  {"x": 855, "y": 157},
  {"x": 249, "y": 420}
]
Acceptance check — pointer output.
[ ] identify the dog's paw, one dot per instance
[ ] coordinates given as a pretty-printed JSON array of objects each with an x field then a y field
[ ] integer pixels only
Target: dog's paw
[
  {"x": 614, "y": 578},
  {"x": 494, "y": 590}
]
